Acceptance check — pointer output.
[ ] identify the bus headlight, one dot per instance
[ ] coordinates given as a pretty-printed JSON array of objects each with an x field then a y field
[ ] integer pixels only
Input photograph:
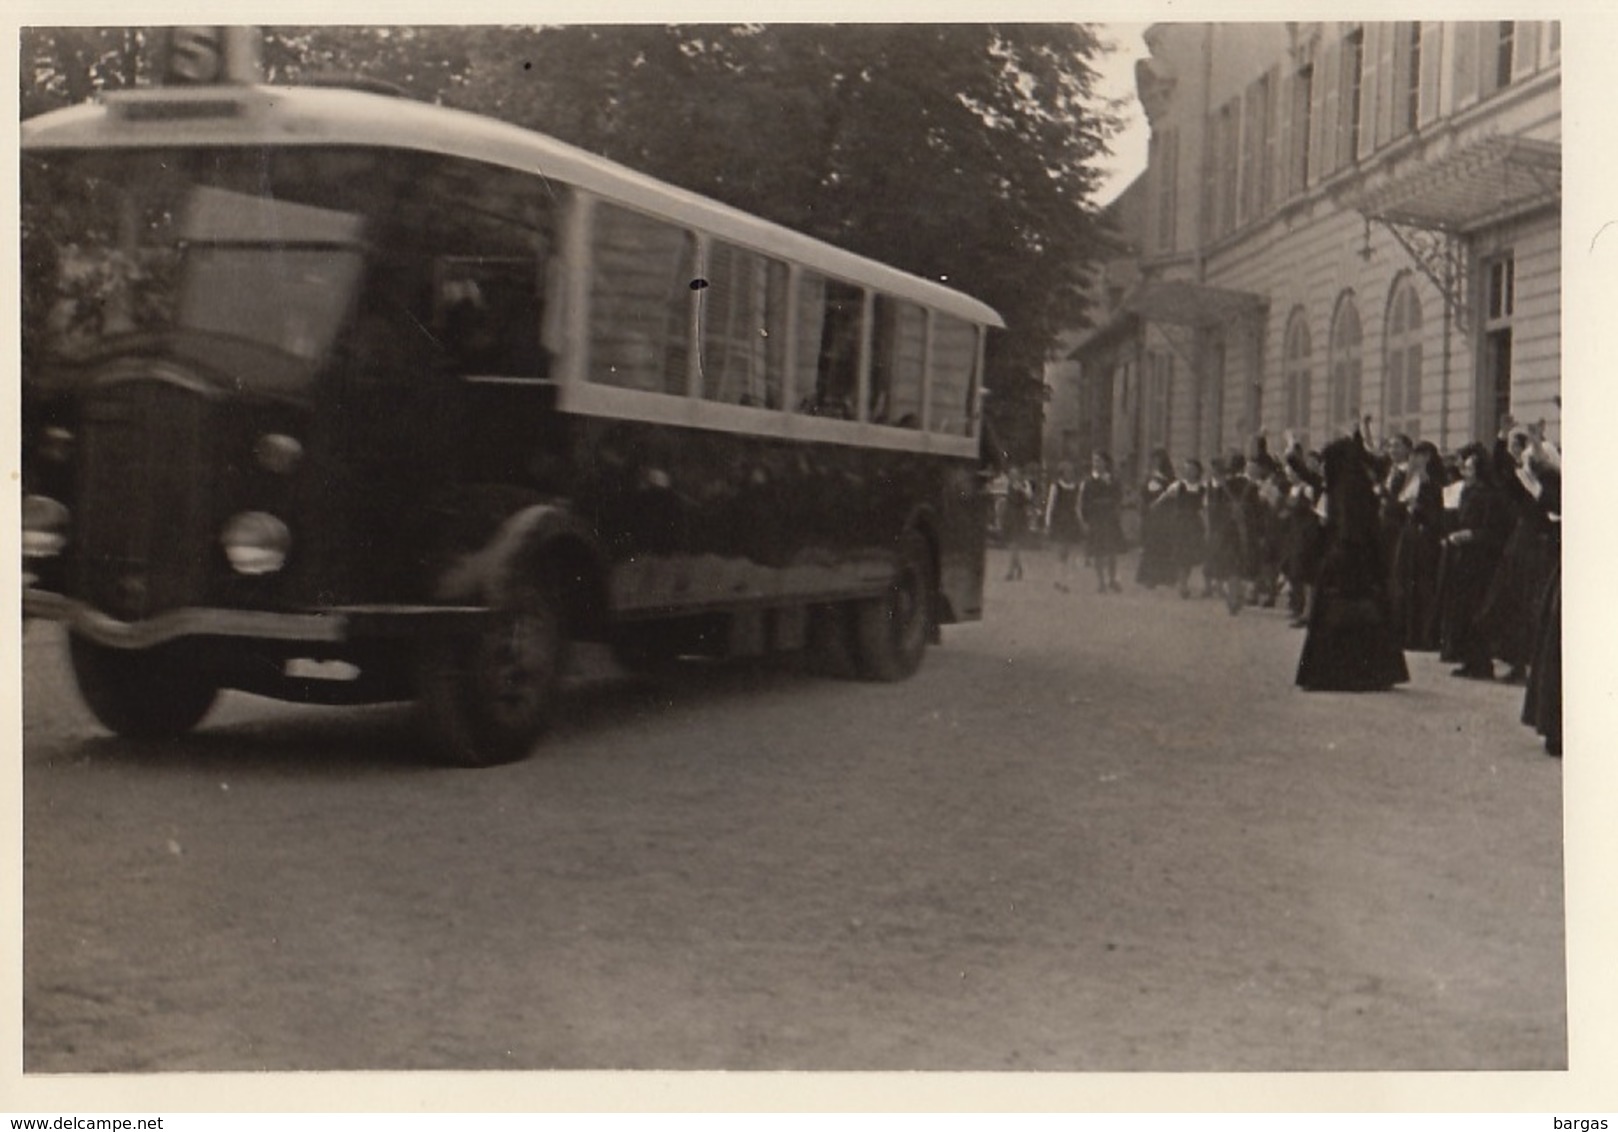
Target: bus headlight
[
  {"x": 256, "y": 542},
  {"x": 45, "y": 524},
  {"x": 56, "y": 444},
  {"x": 279, "y": 453}
]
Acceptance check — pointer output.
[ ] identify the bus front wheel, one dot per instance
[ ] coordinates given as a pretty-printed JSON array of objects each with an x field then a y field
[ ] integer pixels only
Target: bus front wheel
[
  {"x": 892, "y": 630},
  {"x": 489, "y": 696},
  {"x": 155, "y": 693}
]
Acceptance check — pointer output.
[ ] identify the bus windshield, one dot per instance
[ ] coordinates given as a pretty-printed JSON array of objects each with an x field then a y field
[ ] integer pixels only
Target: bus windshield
[
  {"x": 270, "y": 244},
  {"x": 249, "y": 244}
]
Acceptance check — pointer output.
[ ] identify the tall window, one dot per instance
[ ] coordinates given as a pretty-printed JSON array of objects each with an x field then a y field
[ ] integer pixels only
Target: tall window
[
  {"x": 1353, "y": 87},
  {"x": 1212, "y": 407},
  {"x": 1159, "y": 378},
  {"x": 1256, "y": 141},
  {"x": 1405, "y": 82},
  {"x": 1295, "y": 368},
  {"x": 1504, "y": 52},
  {"x": 1500, "y": 305},
  {"x": 1303, "y": 98},
  {"x": 1401, "y": 363},
  {"x": 1227, "y": 156},
  {"x": 1165, "y": 161},
  {"x": 1344, "y": 364}
]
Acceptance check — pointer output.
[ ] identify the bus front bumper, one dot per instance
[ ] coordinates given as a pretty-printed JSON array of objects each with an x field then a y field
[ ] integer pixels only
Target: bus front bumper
[{"x": 333, "y": 625}]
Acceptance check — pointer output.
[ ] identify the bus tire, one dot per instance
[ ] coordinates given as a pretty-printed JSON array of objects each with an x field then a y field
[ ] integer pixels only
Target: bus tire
[
  {"x": 891, "y": 631},
  {"x": 489, "y": 696},
  {"x": 155, "y": 693}
]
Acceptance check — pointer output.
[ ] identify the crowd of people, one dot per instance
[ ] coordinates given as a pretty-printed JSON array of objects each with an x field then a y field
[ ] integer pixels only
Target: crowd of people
[{"x": 1378, "y": 546}]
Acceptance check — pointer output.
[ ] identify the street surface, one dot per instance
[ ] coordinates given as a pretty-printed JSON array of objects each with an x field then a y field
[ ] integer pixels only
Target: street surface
[{"x": 1095, "y": 832}]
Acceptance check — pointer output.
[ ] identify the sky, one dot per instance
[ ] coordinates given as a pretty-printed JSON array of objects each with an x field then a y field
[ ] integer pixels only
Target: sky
[{"x": 1118, "y": 81}]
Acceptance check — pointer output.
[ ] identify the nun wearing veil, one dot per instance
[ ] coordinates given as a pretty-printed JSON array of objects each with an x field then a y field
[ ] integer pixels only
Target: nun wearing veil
[{"x": 1352, "y": 644}]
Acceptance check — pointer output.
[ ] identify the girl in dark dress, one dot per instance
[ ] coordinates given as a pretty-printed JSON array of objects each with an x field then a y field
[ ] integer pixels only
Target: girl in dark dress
[
  {"x": 1351, "y": 645},
  {"x": 1227, "y": 565},
  {"x": 1301, "y": 534},
  {"x": 1062, "y": 521},
  {"x": 1185, "y": 530},
  {"x": 1100, "y": 504},
  {"x": 1157, "y": 565},
  {"x": 1019, "y": 503}
]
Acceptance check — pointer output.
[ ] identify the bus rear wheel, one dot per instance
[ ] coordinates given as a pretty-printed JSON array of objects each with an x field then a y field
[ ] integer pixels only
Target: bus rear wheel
[
  {"x": 155, "y": 693},
  {"x": 891, "y": 631},
  {"x": 489, "y": 696}
]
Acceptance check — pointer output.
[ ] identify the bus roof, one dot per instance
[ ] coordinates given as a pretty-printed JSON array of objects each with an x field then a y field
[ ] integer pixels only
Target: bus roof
[{"x": 260, "y": 115}]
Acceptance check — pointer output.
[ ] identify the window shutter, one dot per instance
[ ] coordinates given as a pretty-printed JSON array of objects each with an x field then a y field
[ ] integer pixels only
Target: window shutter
[
  {"x": 1323, "y": 115},
  {"x": 1525, "y": 52},
  {"x": 1432, "y": 64},
  {"x": 1397, "y": 86},
  {"x": 1373, "y": 100},
  {"x": 1468, "y": 72},
  {"x": 1209, "y": 226},
  {"x": 1252, "y": 148},
  {"x": 1171, "y": 190},
  {"x": 1392, "y": 45},
  {"x": 1269, "y": 160},
  {"x": 1154, "y": 165},
  {"x": 1285, "y": 144}
]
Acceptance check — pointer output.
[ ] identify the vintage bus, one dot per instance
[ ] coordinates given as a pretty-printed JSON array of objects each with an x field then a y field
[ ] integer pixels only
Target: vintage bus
[{"x": 338, "y": 397}]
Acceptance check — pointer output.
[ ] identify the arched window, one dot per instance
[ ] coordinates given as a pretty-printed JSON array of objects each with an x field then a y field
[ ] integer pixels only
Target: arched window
[
  {"x": 1295, "y": 373},
  {"x": 1401, "y": 363},
  {"x": 1343, "y": 365}
]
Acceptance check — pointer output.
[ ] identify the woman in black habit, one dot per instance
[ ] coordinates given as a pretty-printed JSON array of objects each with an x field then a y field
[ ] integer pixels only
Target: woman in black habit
[
  {"x": 1542, "y": 703},
  {"x": 1351, "y": 644},
  {"x": 1417, "y": 550},
  {"x": 1471, "y": 555},
  {"x": 1157, "y": 566}
]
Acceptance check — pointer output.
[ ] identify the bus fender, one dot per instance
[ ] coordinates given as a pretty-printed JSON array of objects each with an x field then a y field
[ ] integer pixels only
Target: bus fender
[{"x": 539, "y": 536}]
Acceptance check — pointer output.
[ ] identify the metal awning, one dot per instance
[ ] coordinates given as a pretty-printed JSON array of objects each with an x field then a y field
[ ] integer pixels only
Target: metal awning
[
  {"x": 1192, "y": 304},
  {"x": 1482, "y": 183}
]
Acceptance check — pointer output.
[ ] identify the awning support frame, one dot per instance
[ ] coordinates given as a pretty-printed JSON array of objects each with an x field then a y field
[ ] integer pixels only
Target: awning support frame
[{"x": 1442, "y": 256}]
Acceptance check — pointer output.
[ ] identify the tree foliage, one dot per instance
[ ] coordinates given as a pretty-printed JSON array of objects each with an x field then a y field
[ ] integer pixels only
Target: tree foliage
[{"x": 960, "y": 152}]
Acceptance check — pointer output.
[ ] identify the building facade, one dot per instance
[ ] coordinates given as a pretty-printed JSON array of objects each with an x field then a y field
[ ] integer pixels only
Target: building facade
[{"x": 1337, "y": 220}]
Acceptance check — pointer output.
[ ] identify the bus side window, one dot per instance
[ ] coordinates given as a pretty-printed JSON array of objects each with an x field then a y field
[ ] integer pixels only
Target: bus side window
[
  {"x": 955, "y": 363},
  {"x": 898, "y": 358},
  {"x": 829, "y": 316},
  {"x": 742, "y": 313},
  {"x": 640, "y": 301},
  {"x": 483, "y": 235}
]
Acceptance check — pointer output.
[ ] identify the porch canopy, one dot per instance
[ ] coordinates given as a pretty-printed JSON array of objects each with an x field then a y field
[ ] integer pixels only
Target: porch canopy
[{"x": 1470, "y": 188}]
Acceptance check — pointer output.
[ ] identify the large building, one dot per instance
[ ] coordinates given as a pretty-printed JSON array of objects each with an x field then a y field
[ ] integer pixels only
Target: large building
[{"x": 1336, "y": 220}]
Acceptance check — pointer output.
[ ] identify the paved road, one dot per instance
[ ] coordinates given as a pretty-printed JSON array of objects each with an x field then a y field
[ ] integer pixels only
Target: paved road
[{"x": 1096, "y": 832}]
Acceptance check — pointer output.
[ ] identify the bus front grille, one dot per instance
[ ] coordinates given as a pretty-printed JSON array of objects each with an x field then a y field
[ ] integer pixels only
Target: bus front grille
[{"x": 144, "y": 537}]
